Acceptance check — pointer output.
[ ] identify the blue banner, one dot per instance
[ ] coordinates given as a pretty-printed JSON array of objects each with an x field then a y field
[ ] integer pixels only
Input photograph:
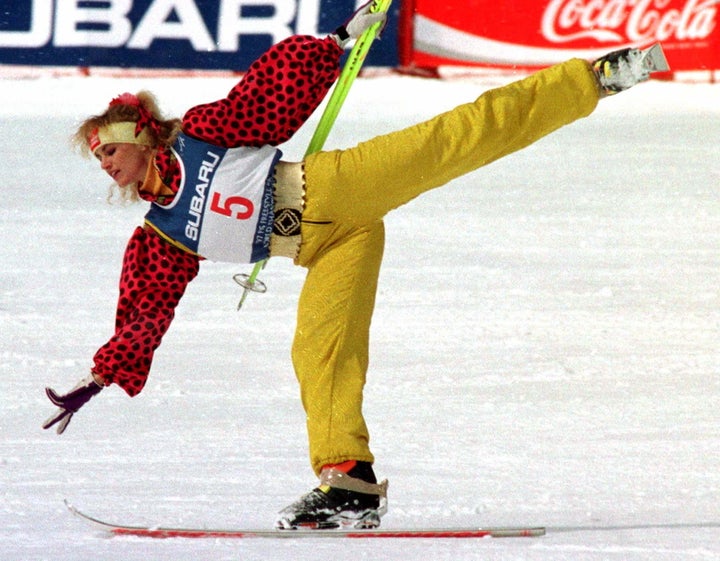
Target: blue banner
[{"x": 172, "y": 34}]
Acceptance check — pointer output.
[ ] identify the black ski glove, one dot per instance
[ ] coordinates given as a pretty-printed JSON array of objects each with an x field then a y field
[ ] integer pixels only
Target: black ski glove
[{"x": 69, "y": 403}]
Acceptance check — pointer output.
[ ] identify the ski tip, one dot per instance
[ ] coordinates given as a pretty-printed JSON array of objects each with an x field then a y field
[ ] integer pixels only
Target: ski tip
[
  {"x": 656, "y": 59},
  {"x": 74, "y": 510}
]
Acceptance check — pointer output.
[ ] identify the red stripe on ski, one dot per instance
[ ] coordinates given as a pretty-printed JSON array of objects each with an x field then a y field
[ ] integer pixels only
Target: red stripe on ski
[{"x": 164, "y": 533}]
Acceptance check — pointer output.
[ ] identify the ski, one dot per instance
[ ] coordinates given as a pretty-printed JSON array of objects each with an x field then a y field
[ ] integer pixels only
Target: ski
[
  {"x": 654, "y": 59},
  {"x": 435, "y": 533}
]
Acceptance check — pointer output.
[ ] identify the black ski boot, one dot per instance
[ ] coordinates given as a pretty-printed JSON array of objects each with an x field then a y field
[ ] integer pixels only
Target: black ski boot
[{"x": 348, "y": 497}]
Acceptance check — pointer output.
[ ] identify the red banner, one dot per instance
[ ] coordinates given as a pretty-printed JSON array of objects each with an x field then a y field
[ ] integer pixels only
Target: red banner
[{"x": 538, "y": 33}]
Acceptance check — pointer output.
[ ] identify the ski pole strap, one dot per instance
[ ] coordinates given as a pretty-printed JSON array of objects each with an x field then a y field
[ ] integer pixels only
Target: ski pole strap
[{"x": 333, "y": 477}]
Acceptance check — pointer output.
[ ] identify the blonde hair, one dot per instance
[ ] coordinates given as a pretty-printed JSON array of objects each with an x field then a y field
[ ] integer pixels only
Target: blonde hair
[{"x": 128, "y": 108}]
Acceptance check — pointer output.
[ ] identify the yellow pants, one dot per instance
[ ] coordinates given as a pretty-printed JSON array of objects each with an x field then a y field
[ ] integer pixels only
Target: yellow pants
[{"x": 348, "y": 192}]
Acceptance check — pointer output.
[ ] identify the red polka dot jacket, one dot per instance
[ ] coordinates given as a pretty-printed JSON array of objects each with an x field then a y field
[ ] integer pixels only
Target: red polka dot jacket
[{"x": 269, "y": 104}]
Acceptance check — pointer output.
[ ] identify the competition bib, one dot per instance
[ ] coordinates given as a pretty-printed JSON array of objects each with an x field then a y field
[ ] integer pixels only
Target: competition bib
[{"x": 223, "y": 210}]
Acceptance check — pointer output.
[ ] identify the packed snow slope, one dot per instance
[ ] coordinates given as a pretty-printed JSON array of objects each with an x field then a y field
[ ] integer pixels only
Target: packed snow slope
[{"x": 544, "y": 350}]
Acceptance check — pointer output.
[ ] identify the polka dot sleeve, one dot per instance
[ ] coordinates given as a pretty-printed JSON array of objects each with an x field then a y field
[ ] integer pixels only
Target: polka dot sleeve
[
  {"x": 153, "y": 279},
  {"x": 275, "y": 97}
]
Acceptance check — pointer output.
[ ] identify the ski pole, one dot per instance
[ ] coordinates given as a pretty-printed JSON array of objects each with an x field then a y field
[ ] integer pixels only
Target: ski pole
[{"x": 251, "y": 283}]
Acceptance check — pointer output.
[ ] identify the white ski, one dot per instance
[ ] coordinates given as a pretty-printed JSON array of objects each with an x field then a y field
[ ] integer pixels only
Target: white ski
[{"x": 435, "y": 533}]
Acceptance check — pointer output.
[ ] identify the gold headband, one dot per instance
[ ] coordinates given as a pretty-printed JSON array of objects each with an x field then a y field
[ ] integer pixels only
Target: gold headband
[{"x": 121, "y": 132}]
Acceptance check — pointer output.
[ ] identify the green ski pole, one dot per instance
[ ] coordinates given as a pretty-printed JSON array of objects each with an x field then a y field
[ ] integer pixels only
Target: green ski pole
[
  {"x": 251, "y": 283},
  {"x": 347, "y": 77}
]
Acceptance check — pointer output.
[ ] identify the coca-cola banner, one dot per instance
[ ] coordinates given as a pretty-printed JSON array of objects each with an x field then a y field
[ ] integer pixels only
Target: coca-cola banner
[{"x": 537, "y": 33}]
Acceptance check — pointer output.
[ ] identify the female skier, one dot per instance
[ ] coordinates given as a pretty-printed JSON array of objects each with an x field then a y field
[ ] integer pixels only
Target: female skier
[{"x": 219, "y": 190}]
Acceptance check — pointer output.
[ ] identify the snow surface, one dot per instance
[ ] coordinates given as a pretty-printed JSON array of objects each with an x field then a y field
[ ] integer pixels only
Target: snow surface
[{"x": 545, "y": 346}]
